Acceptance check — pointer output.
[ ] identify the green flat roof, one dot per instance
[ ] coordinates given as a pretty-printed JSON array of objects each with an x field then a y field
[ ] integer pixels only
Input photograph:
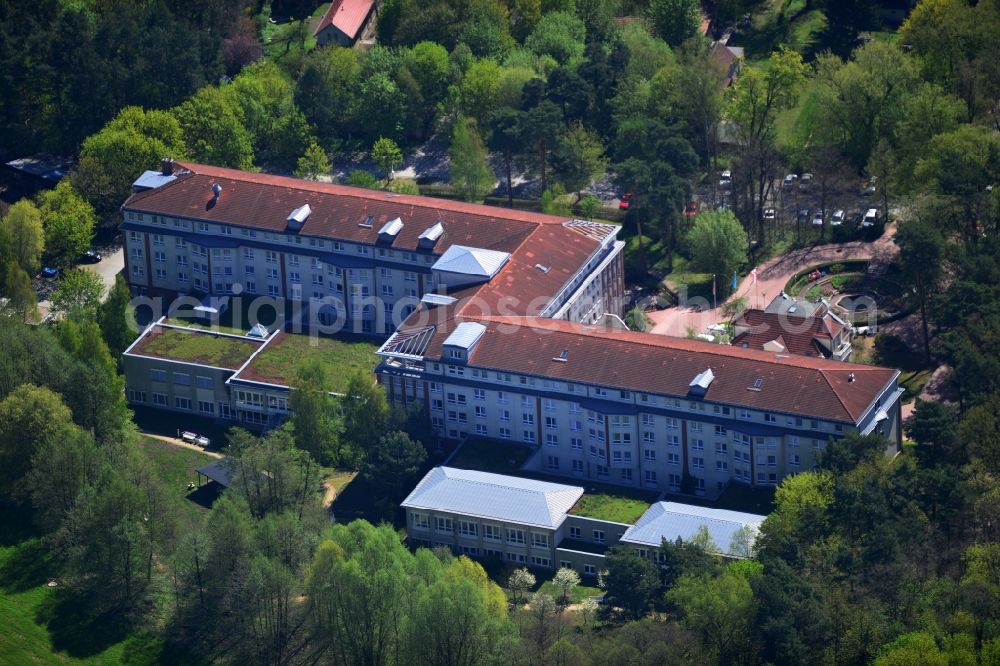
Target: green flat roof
[
  {"x": 611, "y": 505},
  {"x": 196, "y": 346},
  {"x": 283, "y": 356}
]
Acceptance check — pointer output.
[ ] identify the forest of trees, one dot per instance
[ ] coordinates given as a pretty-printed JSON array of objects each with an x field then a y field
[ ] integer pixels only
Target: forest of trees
[{"x": 866, "y": 560}]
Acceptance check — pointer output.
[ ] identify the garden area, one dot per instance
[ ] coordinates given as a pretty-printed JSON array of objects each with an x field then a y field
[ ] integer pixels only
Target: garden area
[
  {"x": 280, "y": 361},
  {"x": 620, "y": 505}
]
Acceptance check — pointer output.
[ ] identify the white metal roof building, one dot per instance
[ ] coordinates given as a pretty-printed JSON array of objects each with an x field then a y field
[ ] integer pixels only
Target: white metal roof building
[
  {"x": 670, "y": 520},
  {"x": 495, "y": 496}
]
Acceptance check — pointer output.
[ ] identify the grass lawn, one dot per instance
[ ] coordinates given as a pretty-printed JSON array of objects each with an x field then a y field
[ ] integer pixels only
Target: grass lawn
[
  {"x": 197, "y": 347},
  {"x": 342, "y": 357},
  {"x": 175, "y": 466},
  {"x": 491, "y": 455},
  {"x": 580, "y": 592},
  {"x": 913, "y": 381},
  {"x": 612, "y": 504},
  {"x": 276, "y": 37}
]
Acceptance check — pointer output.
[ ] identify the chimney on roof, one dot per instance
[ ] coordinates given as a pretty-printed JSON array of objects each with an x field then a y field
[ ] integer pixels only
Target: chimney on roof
[
  {"x": 216, "y": 191},
  {"x": 167, "y": 166},
  {"x": 850, "y": 377}
]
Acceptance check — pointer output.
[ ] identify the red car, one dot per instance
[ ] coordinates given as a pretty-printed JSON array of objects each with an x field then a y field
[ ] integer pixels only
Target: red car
[
  {"x": 691, "y": 210},
  {"x": 623, "y": 204}
]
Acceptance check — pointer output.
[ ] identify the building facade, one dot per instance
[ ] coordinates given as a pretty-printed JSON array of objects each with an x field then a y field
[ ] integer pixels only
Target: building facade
[
  {"x": 529, "y": 522},
  {"x": 362, "y": 259}
]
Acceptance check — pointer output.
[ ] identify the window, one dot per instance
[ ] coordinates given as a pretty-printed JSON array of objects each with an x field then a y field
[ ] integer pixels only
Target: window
[
  {"x": 504, "y": 433},
  {"x": 698, "y": 463},
  {"x": 720, "y": 431},
  {"x": 505, "y": 415},
  {"x": 602, "y": 470},
  {"x": 673, "y": 459},
  {"x": 550, "y": 423},
  {"x": 205, "y": 382},
  {"x": 529, "y": 436},
  {"x": 182, "y": 403},
  {"x": 466, "y": 528},
  {"x": 649, "y": 455},
  {"x": 576, "y": 443},
  {"x": 552, "y": 462},
  {"x": 551, "y": 439},
  {"x": 698, "y": 444},
  {"x": 182, "y": 379},
  {"x": 137, "y": 396},
  {"x": 491, "y": 532},
  {"x": 160, "y": 399},
  {"x": 480, "y": 412},
  {"x": 598, "y": 536},
  {"x": 206, "y": 407},
  {"x": 626, "y": 475},
  {"x": 589, "y": 570},
  {"x": 515, "y": 536},
  {"x": 770, "y": 418},
  {"x": 814, "y": 425},
  {"x": 479, "y": 394},
  {"x": 539, "y": 540},
  {"x": 578, "y": 467},
  {"x": 745, "y": 414},
  {"x": 541, "y": 561},
  {"x": 793, "y": 460},
  {"x": 158, "y": 375},
  {"x": 721, "y": 448},
  {"x": 528, "y": 419}
]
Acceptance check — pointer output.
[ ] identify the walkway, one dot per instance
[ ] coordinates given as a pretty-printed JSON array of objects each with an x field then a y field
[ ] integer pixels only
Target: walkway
[
  {"x": 772, "y": 276},
  {"x": 182, "y": 443}
]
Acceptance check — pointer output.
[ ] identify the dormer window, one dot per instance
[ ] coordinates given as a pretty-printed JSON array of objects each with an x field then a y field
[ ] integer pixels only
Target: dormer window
[{"x": 298, "y": 217}]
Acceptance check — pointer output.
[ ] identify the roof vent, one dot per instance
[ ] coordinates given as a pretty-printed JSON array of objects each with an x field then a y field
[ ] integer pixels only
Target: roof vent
[
  {"x": 699, "y": 385},
  {"x": 792, "y": 309},
  {"x": 543, "y": 268},
  {"x": 216, "y": 191},
  {"x": 431, "y": 235},
  {"x": 258, "y": 331},
  {"x": 167, "y": 166},
  {"x": 563, "y": 356},
  {"x": 367, "y": 222},
  {"x": 850, "y": 377},
  {"x": 298, "y": 217},
  {"x": 390, "y": 230}
]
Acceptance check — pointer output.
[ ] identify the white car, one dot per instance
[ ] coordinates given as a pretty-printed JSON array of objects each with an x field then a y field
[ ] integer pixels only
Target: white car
[
  {"x": 818, "y": 218},
  {"x": 871, "y": 218},
  {"x": 790, "y": 179},
  {"x": 770, "y": 215},
  {"x": 837, "y": 219},
  {"x": 727, "y": 178},
  {"x": 805, "y": 181}
]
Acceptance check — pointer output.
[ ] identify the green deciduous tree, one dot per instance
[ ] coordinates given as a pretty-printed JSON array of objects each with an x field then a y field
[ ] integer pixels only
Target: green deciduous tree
[
  {"x": 327, "y": 91},
  {"x": 559, "y": 35},
  {"x": 69, "y": 222},
  {"x": 313, "y": 163},
  {"x": 718, "y": 245},
  {"x": 520, "y": 581},
  {"x": 578, "y": 158},
  {"x": 506, "y": 138},
  {"x": 565, "y": 581},
  {"x": 471, "y": 176},
  {"x": 30, "y": 417},
  {"x": 213, "y": 131},
  {"x": 64, "y": 463},
  {"x": 271, "y": 474},
  {"x": 387, "y": 155},
  {"x": 365, "y": 414},
  {"x": 111, "y": 160},
  {"x": 720, "y": 608},
  {"x": 114, "y": 317},
  {"x": 25, "y": 234},
  {"x": 22, "y": 301},
  {"x": 479, "y": 93},
  {"x": 675, "y": 20},
  {"x": 78, "y": 292},
  {"x": 315, "y": 426}
]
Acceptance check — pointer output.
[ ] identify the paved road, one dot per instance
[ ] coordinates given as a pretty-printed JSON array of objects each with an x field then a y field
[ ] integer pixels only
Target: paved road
[
  {"x": 771, "y": 279},
  {"x": 108, "y": 268}
]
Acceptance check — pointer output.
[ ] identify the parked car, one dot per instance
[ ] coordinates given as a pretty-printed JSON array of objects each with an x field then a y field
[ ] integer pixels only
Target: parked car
[
  {"x": 790, "y": 179},
  {"x": 805, "y": 181},
  {"x": 90, "y": 257},
  {"x": 727, "y": 178},
  {"x": 818, "y": 217},
  {"x": 870, "y": 188},
  {"x": 691, "y": 210},
  {"x": 770, "y": 215},
  {"x": 803, "y": 216},
  {"x": 871, "y": 218},
  {"x": 623, "y": 202},
  {"x": 837, "y": 218},
  {"x": 50, "y": 272}
]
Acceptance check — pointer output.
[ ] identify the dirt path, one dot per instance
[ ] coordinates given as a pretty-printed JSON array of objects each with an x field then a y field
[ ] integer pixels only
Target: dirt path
[
  {"x": 772, "y": 276},
  {"x": 183, "y": 444}
]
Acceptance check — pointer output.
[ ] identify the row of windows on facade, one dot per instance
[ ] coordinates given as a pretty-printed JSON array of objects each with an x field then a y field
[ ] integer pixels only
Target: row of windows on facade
[
  {"x": 615, "y": 420},
  {"x": 336, "y": 246},
  {"x": 513, "y": 557}
]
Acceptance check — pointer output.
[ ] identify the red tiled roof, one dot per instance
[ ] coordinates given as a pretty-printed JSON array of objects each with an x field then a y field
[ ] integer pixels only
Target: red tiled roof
[
  {"x": 660, "y": 364},
  {"x": 799, "y": 335},
  {"x": 347, "y": 16},
  {"x": 263, "y": 201}
]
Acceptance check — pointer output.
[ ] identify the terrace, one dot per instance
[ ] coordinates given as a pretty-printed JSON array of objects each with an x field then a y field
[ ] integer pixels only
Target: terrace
[
  {"x": 197, "y": 346},
  {"x": 280, "y": 360}
]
